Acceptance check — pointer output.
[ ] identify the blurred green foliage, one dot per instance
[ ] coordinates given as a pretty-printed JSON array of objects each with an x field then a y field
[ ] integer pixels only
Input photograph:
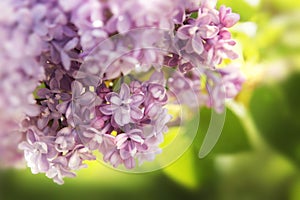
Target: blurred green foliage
[{"x": 258, "y": 154}]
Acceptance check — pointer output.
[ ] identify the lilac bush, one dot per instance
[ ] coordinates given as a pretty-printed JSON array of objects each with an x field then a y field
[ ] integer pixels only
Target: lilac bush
[{"x": 63, "y": 97}]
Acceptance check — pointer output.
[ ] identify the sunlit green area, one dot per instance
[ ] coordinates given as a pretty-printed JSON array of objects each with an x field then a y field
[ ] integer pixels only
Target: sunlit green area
[{"x": 258, "y": 154}]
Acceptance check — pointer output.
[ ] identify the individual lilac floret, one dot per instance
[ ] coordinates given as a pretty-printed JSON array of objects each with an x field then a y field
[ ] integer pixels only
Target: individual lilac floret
[
  {"x": 222, "y": 84},
  {"x": 38, "y": 150},
  {"x": 59, "y": 170},
  {"x": 227, "y": 18},
  {"x": 129, "y": 144},
  {"x": 196, "y": 32},
  {"x": 232, "y": 80},
  {"x": 123, "y": 106}
]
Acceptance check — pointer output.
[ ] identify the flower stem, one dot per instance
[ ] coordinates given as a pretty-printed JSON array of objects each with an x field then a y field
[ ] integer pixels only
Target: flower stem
[{"x": 252, "y": 132}]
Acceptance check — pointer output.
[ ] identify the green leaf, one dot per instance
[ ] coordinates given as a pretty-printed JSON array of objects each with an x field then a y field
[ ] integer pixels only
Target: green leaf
[
  {"x": 253, "y": 175},
  {"x": 294, "y": 191},
  {"x": 233, "y": 137},
  {"x": 183, "y": 171},
  {"x": 276, "y": 112}
]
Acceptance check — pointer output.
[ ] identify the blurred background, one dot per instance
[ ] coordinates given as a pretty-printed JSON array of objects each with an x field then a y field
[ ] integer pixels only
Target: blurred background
[{"x": 258, "y": 154}]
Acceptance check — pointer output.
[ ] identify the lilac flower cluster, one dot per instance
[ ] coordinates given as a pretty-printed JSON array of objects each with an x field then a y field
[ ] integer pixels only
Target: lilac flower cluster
[
  {"x": 75, "y": 77},
  {"x": 138, "y": 117}
]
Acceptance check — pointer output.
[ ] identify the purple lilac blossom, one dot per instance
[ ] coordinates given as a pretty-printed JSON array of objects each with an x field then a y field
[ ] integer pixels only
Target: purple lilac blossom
[
  {"x": 138, "y": 116},
  {"x": 58, "y": 97}
]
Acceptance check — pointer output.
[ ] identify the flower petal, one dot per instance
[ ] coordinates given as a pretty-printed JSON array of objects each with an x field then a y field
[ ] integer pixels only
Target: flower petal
[
  {"x": 121, "y": 139},
  {"x": 71, "y": 44},
  {"x": 86, "y": 99},
  {"x": 152, "y": 110},
  {"x": 65, "y": 59},
  {"x": 129, "y": 163},
  {"x": 108, "y": 109},
  {"x": 114, "y": 98},
  {"x": 122, "y": 116},
  {"x": 123, "y": 24},
  {"x": 77, "y": 88},
  {"x": 124, "y": 154},
  {"x": 184, "y": 32},
  {"x": 197, "y": 45},
  {"x": 42, "y": 163},
  {"x": 137, "y": 99},
  {"x": 208, "y": 31},
  {"x": 136, "y": 113},
  {"x": 137, "y": 138},
  {"x": 124, "y": 91}
]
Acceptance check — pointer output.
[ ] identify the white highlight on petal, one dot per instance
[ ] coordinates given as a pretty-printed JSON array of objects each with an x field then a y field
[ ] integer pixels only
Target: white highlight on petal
[{"x": 97, "y": 23}]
